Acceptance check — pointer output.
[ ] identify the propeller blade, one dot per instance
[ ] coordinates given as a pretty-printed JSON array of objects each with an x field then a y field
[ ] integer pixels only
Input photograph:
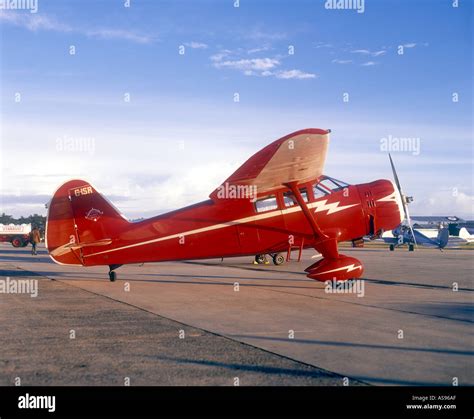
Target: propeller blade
[
  {"x": 395, "y": 177},
  {"x": 404, "y": 199},
  {"x": 409, "y": 223}
]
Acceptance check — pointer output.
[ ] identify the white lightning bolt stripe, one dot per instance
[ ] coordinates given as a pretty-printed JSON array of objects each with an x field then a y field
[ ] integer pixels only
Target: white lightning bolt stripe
[
  {"x": 348, "y": 268},
  {"x": 397, "y": 199},
  {"x": 331, "y": 208},
  {"x": 389, "y": 198}
]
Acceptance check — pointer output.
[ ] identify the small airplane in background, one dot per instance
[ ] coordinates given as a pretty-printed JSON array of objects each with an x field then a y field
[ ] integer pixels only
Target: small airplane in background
[
  {"x": 278, "y": 198},
  {"x": 465, "y": 235},
  {"x": 402, "y": 235}
]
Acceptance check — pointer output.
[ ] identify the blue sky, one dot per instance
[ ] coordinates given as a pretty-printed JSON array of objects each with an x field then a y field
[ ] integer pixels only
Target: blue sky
[{"x": 182, "y": 132}]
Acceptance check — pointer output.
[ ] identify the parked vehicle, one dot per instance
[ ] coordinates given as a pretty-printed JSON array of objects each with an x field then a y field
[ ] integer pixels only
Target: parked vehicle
[{"x": 16, "y": 234}]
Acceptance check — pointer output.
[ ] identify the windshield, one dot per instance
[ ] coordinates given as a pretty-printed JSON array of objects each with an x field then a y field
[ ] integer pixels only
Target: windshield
[{"x": 326, "y": 185}]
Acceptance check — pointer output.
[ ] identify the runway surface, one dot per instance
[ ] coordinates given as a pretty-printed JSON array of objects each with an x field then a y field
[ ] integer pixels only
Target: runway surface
[{"x": 261, "y": 324}]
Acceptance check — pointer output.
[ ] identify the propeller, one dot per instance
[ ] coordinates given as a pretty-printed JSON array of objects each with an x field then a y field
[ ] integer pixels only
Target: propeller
[{"x": 405, "y": 199}]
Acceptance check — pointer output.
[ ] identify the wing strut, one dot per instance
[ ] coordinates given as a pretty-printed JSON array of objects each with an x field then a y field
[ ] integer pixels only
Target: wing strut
[
  {"x": 312, "y": 222},
  {"x": 325, "y": 245}
]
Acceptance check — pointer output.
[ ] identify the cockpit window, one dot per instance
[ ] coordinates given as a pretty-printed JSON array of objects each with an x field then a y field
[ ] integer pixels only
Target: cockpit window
[
  {"x": 327, "y": 185},
  {"x": 290, "y": 199}
]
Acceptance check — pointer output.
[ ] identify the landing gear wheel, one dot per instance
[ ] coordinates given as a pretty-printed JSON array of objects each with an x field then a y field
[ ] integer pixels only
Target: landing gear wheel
[
  {"x": 392, "y": 247},
  {"x": 411, "y": 247},
  {"x": 278, "y": 259},
  {"x": 260, "y": 259},
  {"x": 112, "y": 276}
]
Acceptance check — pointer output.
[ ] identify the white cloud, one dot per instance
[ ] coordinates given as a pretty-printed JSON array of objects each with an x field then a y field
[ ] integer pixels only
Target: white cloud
[
  {"x": 118, "y": 34},
  {"x": 247, "y": 64},
  {"x": 323, "y": 45},
  {"x": 361, "y": 51},
  {"x": 35, "y": 22},
  {"x": 196, "y": 45},
  {"x": 260, "y": 49},
  {"x": 264, "y": 67},
  {"x": 445, "y": 202},
  {"x": 294, "y": 74},
  {"x": 220, "y": 55},
  {"x": 337, "y": 61},
  {"x": 410, "y": 45},
  {"x": 369, "y": 64},
  {"x": 368, "y": 52},
  {"x": 258, "y": 35}
]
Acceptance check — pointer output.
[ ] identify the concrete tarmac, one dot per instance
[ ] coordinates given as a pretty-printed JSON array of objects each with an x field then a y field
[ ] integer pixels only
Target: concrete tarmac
[{"x": 262, "y": 324}]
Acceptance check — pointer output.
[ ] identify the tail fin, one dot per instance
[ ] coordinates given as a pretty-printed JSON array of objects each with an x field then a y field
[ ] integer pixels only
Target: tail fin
[
  {"x": 465, "y": 235},
  {"x": 443, "y": 237},
  {"x": 80, "y": 217}
]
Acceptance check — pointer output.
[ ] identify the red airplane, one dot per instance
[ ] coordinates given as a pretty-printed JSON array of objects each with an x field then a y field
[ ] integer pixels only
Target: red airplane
[{"x": 278, "y": 199}]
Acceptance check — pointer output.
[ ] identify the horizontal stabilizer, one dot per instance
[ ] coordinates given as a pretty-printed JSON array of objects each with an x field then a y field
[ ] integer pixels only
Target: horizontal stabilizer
[{"x": 61, "y": 250}]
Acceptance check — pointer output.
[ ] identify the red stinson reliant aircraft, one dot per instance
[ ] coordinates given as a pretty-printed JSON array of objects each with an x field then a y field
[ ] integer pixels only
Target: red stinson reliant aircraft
[{"x": 277, "y": 200}]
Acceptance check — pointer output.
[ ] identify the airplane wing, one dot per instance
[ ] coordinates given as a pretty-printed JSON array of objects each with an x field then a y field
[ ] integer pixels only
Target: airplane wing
[{"x": 299, "y": 157}]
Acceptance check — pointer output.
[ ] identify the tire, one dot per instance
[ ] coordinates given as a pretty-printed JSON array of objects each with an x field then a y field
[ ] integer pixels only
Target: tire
[
  {"x": 112, "y": 276},
  {"x": 411, "y": 247},
  {"x": 278, "y": 259},
  {"x": 24, "y": 244},
  {"x": 260, "y": 259},
  {"x": 392, "y": 247},
  {"x": 17, "y": 242}
]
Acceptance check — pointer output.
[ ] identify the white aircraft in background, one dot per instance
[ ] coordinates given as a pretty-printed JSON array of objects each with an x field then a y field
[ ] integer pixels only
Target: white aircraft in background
[{"x": 465, "y": 235}]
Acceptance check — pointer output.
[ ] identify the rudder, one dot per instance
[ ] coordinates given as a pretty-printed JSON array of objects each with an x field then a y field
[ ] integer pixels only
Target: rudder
[{"x": 80, "y": 217}]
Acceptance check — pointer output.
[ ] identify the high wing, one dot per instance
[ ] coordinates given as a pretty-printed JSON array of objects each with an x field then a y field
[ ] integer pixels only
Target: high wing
[{"x": 297, "y": 157}]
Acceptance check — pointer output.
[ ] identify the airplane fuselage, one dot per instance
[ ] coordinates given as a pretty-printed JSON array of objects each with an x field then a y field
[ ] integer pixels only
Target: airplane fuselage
[{"x": 233, "y": 227}]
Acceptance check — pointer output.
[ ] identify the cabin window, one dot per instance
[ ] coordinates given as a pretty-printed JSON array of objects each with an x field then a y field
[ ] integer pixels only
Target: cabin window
[
  {"x": 266, "y": 204},
  {"x": 290, "y": 199}
]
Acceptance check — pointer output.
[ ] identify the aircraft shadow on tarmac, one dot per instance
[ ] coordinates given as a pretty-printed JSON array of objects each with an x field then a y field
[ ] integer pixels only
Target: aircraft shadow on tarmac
[
  {"x": 26, "y": 259},
  {"x": 357, "y": 345},
  {"x": 455, "y": 311},
  {"x": 24, "y": 250},
  {"x": 18, "y": 272},
  {"x": 249, "y": 368},
  {"x": 227, "y": 284}
]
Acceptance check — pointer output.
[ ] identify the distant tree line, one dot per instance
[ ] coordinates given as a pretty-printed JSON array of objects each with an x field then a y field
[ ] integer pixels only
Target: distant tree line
[{"x": 35, "y": 220}]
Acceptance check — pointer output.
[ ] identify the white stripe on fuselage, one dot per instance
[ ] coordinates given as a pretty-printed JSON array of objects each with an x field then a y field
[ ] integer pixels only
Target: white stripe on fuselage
[{"x": 319, "y": 205}]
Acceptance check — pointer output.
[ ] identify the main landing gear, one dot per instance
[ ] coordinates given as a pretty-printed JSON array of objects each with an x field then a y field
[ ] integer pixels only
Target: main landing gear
[
  {"x": 278, "y": 259},
  {"x": 112, "y": 273},
  {"x": 333, "y": 265}
]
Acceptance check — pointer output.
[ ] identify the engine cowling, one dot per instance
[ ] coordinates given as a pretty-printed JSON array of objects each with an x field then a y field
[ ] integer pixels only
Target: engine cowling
[{"x": 340, "y": 269}]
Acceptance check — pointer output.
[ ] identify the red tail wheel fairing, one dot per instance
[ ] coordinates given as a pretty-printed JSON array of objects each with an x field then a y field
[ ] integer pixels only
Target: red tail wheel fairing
[{"x": 341, "y": 269}]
